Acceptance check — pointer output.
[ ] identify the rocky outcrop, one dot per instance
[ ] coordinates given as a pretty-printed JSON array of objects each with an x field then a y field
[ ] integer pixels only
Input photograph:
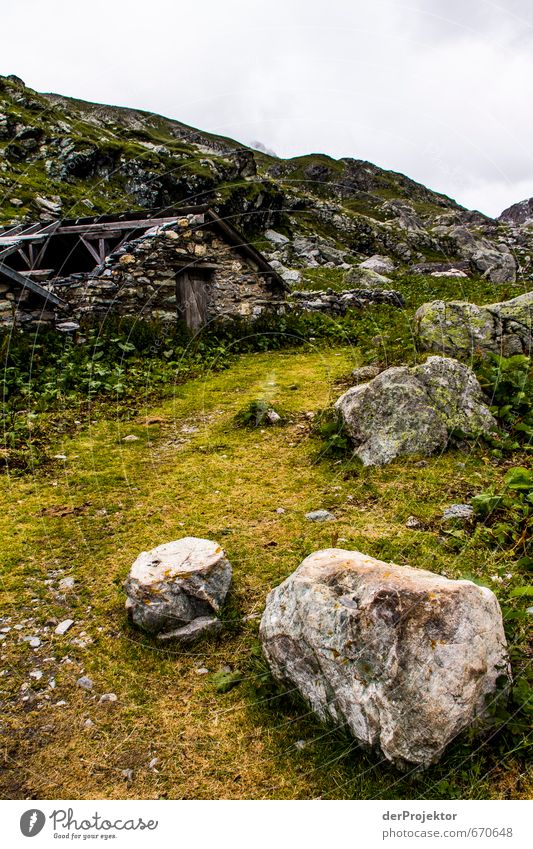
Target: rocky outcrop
[
  {"x": 461, "y": 329},
  {"x": 519, "y": 213},
  {"x": 413, "y": 410},
  {"x": 176, "y": 591},
  {"x": 404, "y": 658}
]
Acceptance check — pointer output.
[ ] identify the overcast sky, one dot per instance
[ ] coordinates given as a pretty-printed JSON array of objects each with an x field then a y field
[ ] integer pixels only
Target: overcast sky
[{"x": 437, "y": 89}]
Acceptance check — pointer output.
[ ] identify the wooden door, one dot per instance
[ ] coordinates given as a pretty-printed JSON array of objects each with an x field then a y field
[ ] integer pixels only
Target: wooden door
[{"x": 192, "y": 297}]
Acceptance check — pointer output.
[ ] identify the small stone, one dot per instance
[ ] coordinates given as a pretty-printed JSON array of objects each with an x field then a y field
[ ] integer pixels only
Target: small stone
[
  {"x": 300, "y": 744},
  {"x": 203, "y": 670},
  {"x": 458, "y": 513},
  {"x": 59, "y": 457},
  {"x": 61, "y": 703},
  {"x": 36, "y": 674},
  {"x": 320, "y": 516},
  {"x": 130, "y": 438},
  {"x": 153, "y": 763},
  {"x": 33, "y": 641},
  {"x": 413, "y": 523},
  {"x": 63, "y": 626},
  {"x": 280, "y": 510},
  {"x": 365, "y": 373},
  {"x": 85, "y": 683},
  {"x": 108, "y": 697},
  {"x": 66, "y": 584},
  {"x": 199, "y": 627},
  {"x": 88, "y": 723},
  {"x": 127, "y": 774}
]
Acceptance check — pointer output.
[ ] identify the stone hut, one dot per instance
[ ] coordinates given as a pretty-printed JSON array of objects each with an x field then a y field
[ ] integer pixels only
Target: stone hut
[{"x": 190, "y": 265}]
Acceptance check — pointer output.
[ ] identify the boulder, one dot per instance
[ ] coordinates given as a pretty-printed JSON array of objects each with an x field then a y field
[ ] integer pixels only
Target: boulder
[
  {"x": 176, "y": 590},
  {"x": 496, "y": 266},
  {"x": 404, "y": 658},
  {"x": 379, "y": 264},
  {"x": 461, "y": 329},
  {"x": 365, "y": 278},
  {"x": 413, "y": 410}
]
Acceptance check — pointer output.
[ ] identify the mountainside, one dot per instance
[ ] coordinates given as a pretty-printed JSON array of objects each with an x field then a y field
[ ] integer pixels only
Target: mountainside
[{"x": 61, "y": 157}]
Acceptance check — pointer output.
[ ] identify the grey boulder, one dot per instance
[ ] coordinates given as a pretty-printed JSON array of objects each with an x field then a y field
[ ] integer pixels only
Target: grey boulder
[
  {"x": 461, "y": 329},
  {"x": 176, "y": 590},
  {"x": 404, "y": 658},
  {"x": 379, "y": 264},
  {"x": 413, "y": 410},
  {"x": 366, "y": 278}
]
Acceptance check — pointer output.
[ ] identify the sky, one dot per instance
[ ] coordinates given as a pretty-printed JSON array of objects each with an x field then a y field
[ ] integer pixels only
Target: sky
[{"x": 439, "y": 90}]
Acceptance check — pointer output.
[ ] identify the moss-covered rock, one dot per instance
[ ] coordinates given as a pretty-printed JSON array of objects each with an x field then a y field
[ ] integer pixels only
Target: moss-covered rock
[
  {"x": 462, "y": 329},
  {"x": 413, "y": 410}
]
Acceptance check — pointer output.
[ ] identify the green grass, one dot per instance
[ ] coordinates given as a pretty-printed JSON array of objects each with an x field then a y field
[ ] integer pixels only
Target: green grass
[{"x": 225, "y": 483}]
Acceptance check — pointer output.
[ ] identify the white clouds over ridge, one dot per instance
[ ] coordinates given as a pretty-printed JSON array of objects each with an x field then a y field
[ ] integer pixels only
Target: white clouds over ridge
[{"x": 437, "y": 89}]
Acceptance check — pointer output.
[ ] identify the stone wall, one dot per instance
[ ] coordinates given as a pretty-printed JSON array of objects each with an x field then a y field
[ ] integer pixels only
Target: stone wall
[
  {"x": 338, "y": 303},
  {"x": 140, "y": 279},
  {"x": 23, "y": 309}
]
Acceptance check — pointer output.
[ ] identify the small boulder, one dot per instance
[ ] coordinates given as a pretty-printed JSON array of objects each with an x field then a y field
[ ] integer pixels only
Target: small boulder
[
  {"x": 379, "y": 264},
  {"x": 413, "y": 410},
  {"x": 365, "y": 278},
  {"x": 405, "y": 658},
  {"x": 176, "y": 590}
]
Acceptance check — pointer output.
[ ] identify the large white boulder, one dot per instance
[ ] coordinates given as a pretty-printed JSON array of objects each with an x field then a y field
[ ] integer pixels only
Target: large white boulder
[
  {"x": 414, "y": 410},
  {"x": 404, "y": 658},
  {"x": 176, "y": 590}
]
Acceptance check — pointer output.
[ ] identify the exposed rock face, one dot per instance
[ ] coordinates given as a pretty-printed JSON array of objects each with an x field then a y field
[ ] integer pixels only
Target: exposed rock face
[
  {"x": 519, "y": 213},
  {"x": 497, "y": 264},
  {"x": 176, "y": 590},
  {"x": 413, "y": 410},
  {"x": 460, "y": 328},
  {"x": 405, "y": 658}
]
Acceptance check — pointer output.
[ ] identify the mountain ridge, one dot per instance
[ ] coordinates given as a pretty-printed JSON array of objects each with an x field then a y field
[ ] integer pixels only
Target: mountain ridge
[{"x": 65, "y": 156}]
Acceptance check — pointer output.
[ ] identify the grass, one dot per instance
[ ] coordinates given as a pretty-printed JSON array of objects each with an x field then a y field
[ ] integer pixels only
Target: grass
[{"x": 195, "y": 473}]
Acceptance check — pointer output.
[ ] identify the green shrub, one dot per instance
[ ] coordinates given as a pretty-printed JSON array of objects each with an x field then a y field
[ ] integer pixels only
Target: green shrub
[{"x": 508, "y": 383}]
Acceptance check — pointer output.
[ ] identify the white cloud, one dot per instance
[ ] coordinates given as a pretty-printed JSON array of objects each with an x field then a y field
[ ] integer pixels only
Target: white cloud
[{"x": 437, "y": 89}]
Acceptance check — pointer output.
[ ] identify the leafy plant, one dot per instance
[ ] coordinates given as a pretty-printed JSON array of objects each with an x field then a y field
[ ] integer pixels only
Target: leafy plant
[
  {"x": 507, "y": 516},
  {"x": 330, "y": 429},
  {"x": 508, "y": 382}
]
